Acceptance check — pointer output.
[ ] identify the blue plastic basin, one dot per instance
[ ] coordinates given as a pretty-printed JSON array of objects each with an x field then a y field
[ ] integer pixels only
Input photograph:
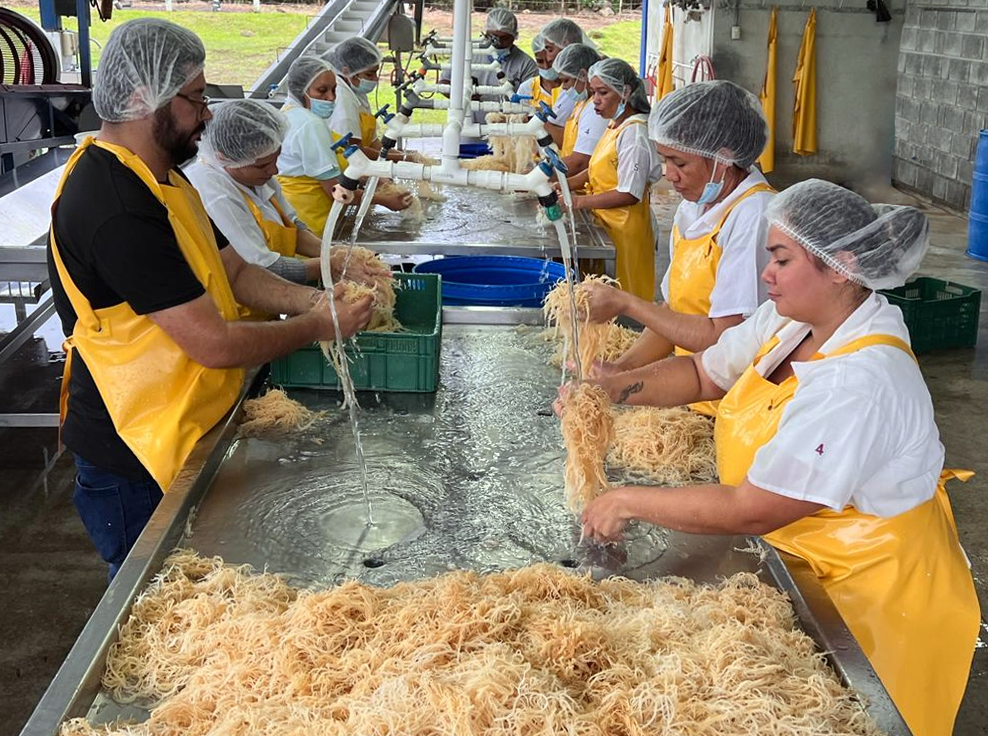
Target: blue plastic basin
[{"x": 494, "y": 281}]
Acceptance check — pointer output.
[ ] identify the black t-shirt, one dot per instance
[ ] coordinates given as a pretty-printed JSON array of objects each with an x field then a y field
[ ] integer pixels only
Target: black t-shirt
[{"x": 117, "y": 245}]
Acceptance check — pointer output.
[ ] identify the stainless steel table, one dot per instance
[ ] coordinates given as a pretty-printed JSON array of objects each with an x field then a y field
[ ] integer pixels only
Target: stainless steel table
[
  {"x": 477, "y": 222},
  {"x": 469, "y": 477}
]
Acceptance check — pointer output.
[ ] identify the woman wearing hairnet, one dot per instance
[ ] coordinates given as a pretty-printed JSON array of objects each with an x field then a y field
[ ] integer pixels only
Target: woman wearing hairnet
[
  {"x": 234, "y": 176},
  {"x": 827, "y": 444},
  {"x": 309, "y": 168},
  {"x": 557, "y": 35},
  {"x": 710, "y": 135},
  {"x": 619, "y": 172},
  {"x": 578, "y": 137},
  {"x": 544, "y": 86},
  {"x": 501, "y": 28},
  {"x": 357, "y": 63}
]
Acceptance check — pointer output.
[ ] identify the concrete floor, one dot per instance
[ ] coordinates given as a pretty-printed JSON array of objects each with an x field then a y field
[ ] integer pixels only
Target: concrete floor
[{"x": 52, "y": 579}]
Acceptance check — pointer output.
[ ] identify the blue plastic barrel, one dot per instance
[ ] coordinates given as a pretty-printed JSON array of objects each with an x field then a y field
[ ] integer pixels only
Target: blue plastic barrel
[
  {"x": 977, "y": 227},
  {"x": 494, "y": 281}
]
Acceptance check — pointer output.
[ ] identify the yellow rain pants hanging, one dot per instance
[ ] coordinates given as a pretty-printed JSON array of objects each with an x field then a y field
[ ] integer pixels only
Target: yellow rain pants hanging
[
  {"x": 663, "y": 77},
  {"x": 901, "y": 584},
  {"x": 767, "y": 97},
  {"x": 804, "y": 83},
  {"x": 160, "y": 400}
]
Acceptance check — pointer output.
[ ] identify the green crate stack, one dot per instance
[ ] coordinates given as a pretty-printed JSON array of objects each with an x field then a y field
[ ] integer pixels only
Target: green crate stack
[
  {"x": 406, "y": 361},
  {"x": 939, "y": 314}
]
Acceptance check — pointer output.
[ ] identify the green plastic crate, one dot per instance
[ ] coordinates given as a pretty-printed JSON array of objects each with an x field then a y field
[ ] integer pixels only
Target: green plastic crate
[
  {"x": 394, "y": 361},
  {"x": 939, "y": 314}
]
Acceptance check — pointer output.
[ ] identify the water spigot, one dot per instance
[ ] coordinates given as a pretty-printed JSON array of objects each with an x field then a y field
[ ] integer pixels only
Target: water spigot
[
  {"x": 383, "y": 113},
  {"x": 343, "y": 143},
  {"x": 518, "y": 99},
  {"x": 545, "y": 112}
]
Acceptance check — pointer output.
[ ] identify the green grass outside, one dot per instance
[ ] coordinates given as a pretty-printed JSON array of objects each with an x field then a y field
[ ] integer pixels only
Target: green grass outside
[
  {"x": 235, "y": 58},
  {"x": 231, "y": 56}
]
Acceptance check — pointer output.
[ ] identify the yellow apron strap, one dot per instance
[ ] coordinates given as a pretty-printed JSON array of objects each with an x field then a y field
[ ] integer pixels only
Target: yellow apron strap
[
  {"x": 956, "y": 474},
  {"x": 868, "y": 341},
  {"x": 761, "y": 187}
]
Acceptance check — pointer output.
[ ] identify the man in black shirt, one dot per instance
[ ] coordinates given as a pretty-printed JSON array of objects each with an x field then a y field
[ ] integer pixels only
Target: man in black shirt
[{"x": 147, "y": 290}]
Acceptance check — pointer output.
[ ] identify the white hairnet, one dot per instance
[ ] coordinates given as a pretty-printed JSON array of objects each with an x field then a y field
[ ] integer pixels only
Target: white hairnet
[
  {"x": 302, "y": 73},
  {"x": 353, "y": 56},
  {"x": 562, "y": 32},
  {"x": 717, "y": 120},
  {"x": 575, "y": 60},
  {"x": 143, "y": 66},
  {"x": 623, "y": 79},
  {"x": 538, "y": 44},
  {"x": 876, "y": 246},
  {"x": 243, "y": 131},
  {"x": 502, "y": 20}
]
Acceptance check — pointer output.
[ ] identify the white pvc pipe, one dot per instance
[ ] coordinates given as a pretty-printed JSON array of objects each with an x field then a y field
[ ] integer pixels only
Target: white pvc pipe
[
  {"x": 535, "y": 181},
  {"x": 457, "y": 85}
]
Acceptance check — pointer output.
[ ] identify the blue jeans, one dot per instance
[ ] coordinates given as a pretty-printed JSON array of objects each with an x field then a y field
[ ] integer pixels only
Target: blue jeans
[{"x": 114, "y": 509}]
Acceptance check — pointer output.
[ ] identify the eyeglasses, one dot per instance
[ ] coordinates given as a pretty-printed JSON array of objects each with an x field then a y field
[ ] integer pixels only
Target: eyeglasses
[{"x": 202, "y": 104}]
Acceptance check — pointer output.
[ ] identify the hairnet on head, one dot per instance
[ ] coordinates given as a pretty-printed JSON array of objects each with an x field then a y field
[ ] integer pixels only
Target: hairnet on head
[
  {"x": 538, "y": 44},
  {"x": 302, "y": 73},
  {"x": 144, "y": 65},
  {"x": 623, "y": 79},
  {"x": 562, "y": 32},
  {"x": 353, "y": 56},
  {"x": 878, "y": 246},
  {"x": 243, "y": 131},
  {"x": 716, "y": 119},
  {"x": 575, "y": 60},
  {"x": 502, "y": 20}
]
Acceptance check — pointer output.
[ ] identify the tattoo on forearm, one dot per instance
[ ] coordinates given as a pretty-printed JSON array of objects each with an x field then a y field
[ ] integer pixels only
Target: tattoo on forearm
[{"x": 628, "y": 390}]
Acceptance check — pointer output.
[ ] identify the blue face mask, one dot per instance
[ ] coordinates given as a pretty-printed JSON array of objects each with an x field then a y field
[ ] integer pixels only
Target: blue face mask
[
  {"x": 367, "y": 86},
  {"x": 620, "y": 110},
  {"x": 322, "y": 108},
  {"x": 550, "y": 75},
  {"x": 581, "y": 96},
  {"x": 712, "y": 189}
]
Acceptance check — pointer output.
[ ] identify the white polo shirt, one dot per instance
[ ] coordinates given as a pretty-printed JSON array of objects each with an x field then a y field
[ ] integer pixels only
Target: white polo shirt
[
  {"x": 349, "y": 105},
  {"x": 590, "y": 128},
  {"x": 223, "y": 199},
  {"x": 638, "y": 161},
  {"x": 738, "y": 288},
  {"x": 307, "y": 149},
  {"x": 860, "y": 429}
]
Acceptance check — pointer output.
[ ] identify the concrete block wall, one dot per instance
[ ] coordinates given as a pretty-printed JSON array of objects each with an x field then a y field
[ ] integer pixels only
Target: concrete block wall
[
  {"x": 942, "y": 98},
  {"x": 856, "y": 85}
]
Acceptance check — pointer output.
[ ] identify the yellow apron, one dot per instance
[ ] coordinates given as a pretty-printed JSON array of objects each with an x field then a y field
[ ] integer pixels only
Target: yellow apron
[
  {"x": 160, "y": 400},
  {"x": 571, "y": 131},
  {"x": 693, "y": 273},
  {"x": 280, "y": 237},
  {"x": 630, "y": 228},
  {"x": 368, "y": 128},
  {"x": 901, "y": 584},
  {"x": 540, "y": 95},
  {"x": 309, "y": 199}
]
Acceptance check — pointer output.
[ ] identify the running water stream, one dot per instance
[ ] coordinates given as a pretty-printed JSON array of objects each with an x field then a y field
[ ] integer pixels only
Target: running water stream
[{"x": 338, "y": 349}]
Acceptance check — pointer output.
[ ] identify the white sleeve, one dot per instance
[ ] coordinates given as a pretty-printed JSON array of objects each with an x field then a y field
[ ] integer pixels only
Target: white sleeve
[
  {"x": 634, "y": 163},
  {"x": 346, "y": 116},
  {"x": 235, "y": 221},
  {"x": 665, "y": 276},
  {"x": 286, "y": 206},
  {"x": 563, "y": 107},
  {"x": 314, "y": 145},
  {"x": 525, "y": 88},
  {"x": 738, "y": 288},
  {"x": 735, "y": 350},
  {"x": 830, "y": 441},
  {"x": 591, "y": 127}
]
